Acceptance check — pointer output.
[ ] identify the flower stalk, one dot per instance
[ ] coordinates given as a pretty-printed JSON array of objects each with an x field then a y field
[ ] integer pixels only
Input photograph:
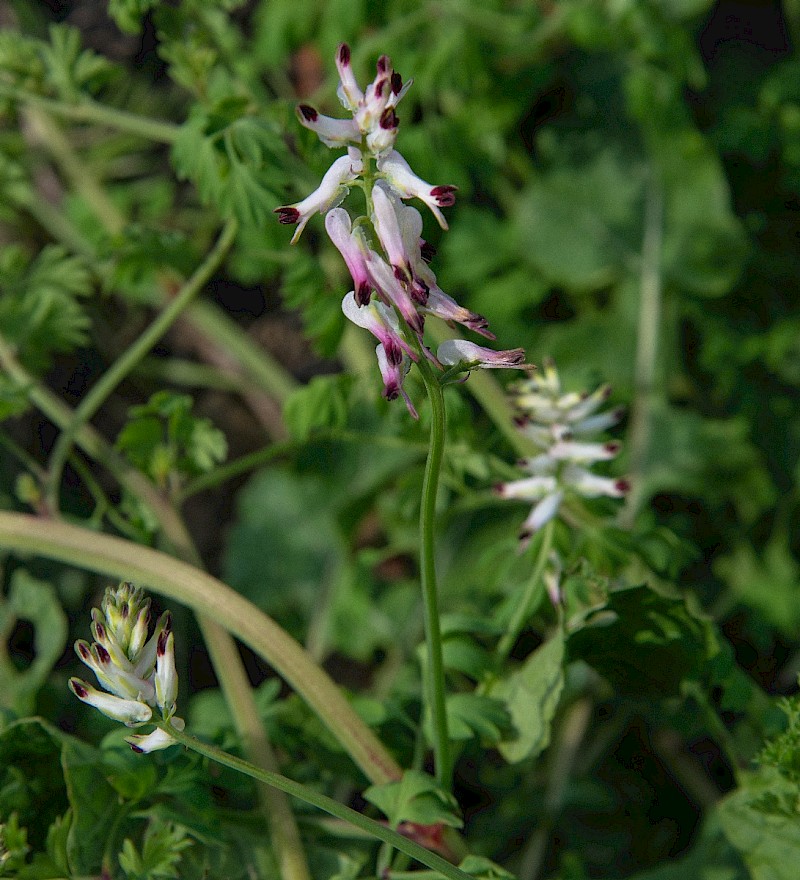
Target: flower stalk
[
  {"x": 434, "y": 667},
  {"x": 374, "y": 829}
]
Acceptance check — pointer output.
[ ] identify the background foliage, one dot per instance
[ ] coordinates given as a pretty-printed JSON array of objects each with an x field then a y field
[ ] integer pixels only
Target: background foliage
[{"x": 629, "y": 182}]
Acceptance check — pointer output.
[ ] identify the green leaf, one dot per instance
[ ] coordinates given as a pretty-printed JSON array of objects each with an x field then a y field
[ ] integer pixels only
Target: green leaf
[
  {"x": 35, "y": 601},
  {"x": 13, "y": 846},
  {"x": 767, "y": 838},
  {"x": 767, "y": 582},
  {"x": 68, "y": 69},
  {"x": 95, "y": 805},
  {"x": 484, "y": 869},
  {"x": 646, "y": 643},
  {"x": 415, "y": 798},
  {"x": 576, "y": 225},
  {"x": 160, "y": 855},
  {"x": 475, "y": 715},
  {"x": 230, "y": 157},
  {"x": 531, "y": 695},
  {"x": 322, "y": 405},
  {"x": 40, "y": 312},
  {"x": 165, "y": 440},
  {"x": 128, "y": 14}
]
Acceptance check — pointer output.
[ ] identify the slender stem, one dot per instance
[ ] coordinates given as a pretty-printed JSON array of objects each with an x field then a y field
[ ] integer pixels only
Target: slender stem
[
  {"x": 206, "y": 595},
  {"x": 649, "y": 325},
  {"x": 47, "y": 132},
  {"x": 87, "y": 110},
  {"x": 375, "y": 829},
  {"x": 128, "y": 359},
  {"x": 434, "y": 667},
  {"x": 284, "y": 833},
  {"x": 523, "y": 609}
]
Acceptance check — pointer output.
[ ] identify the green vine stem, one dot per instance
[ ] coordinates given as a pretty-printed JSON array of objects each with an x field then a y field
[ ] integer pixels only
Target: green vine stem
[
  {"x": 523, "y": 609},
  {"x": 227, "y": 662},
  {"x": 87, "y": 110},
  {"x": 434, "y": 667},
  {"x": 374, "y": 829},
  {"x": 129, "y": 358},
  {"x": 204, "y": 594}
]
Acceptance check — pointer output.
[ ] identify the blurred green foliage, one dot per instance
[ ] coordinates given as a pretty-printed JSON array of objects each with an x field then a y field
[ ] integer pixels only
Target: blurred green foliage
[{"x": 629, "y": 187}]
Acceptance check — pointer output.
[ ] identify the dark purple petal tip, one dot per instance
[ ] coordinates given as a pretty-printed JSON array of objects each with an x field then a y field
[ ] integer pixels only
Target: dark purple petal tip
[
  {"x": 135, "y": 748},
  {"x": 102, "y": 655},
  {"x": 307, "y": 112},
  {"x": 397, "y": 82},
  {"x": 389, "y": 119},
  {"x": 383, "y": 64},
  {"x": 344, "y": 54},
  {"x": 78, "y": 688},
  {"x": 287, "y": 215},
  {"x": 623, "y": 486},
  {"x": 363, "y": 293},
  {"x": 445, "y": 195},
  {"x": 161, "y": 647}
]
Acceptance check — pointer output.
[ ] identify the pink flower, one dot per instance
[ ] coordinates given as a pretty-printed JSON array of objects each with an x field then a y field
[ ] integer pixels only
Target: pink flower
[
  {"x": 353, "y": 249},
  {"x": 382, "y": 323},
  {"x": 393, "y": 375},
  {"x": 455, "y": 351}
]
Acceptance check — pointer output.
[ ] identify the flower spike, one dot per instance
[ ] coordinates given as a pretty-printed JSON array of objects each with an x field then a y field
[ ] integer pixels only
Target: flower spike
[
  {"x": 551, "y": 418},
  {"x": 131, "y": 690},
  {"x": 394, "y": 288}
]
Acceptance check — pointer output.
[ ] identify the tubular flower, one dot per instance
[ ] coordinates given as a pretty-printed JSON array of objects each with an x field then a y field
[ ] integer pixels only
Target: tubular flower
[
  {"x": 558, "y": 424},
  {"x": 394, "y": 288},
  {"x": 137, "y": 673}
]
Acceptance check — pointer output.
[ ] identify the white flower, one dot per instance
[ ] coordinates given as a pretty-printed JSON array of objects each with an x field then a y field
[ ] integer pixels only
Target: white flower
[
  {"x": 398, "y": 173},
  {"x": 551, "y": 418},
  {"x": 137, "y": 673},
  {"x": 331, "y": 191}
]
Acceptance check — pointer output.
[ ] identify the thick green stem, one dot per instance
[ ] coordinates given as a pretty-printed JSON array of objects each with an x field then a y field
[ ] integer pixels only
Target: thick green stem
[
  {"x": 375, "y": 829},
  {"x": 87, "y": 110},
  {"x": 434, "y": 666},
  {"x": 128, "y": 359},
  {"x": 204, "y": 594},
  {"x": 523, "y": 609}
]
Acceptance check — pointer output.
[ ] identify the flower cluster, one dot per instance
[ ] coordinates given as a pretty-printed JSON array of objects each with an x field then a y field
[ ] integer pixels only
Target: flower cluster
[
  {"x": 394, "y": 287},
  {"x": 137, "y": 673},
  {"x": 559, "y": 425}
]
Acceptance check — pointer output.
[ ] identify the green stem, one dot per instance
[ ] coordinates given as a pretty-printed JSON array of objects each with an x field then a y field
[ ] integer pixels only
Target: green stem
[
  {"x": 87, "y": 110},
  {"x": 47, "y": 132},
  {"x": 321, "y": 802},
  {"x": 128, "y": 359},
  {"x": 522, "y": 611},
  {"x": 649, "y": 325},
  {"x": 228, "y": 665},
  {"x": 204, "y": 594},
  {"x": 434, "y": 667}
]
